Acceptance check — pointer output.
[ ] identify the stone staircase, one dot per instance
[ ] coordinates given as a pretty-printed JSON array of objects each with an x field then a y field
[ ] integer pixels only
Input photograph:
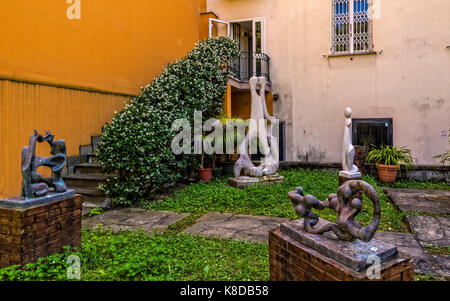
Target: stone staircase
[{"x": 84, "y": 176}]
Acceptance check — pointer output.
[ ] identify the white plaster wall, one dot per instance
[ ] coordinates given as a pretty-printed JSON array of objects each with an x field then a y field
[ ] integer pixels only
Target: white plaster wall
[{"x": 409, "y": 81}]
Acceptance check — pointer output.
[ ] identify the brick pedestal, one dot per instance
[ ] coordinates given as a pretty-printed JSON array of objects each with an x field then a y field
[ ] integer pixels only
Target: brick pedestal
[
  {"x": 291, "y": 260},
  {"x": 31, "y": 233}
]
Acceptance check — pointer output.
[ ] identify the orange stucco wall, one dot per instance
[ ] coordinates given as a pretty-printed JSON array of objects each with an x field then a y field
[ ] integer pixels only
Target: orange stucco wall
[
  {"x": 116, "y": 45},
  {"x": 241, "y": 104},
  {"x": 69, "y": 76}
]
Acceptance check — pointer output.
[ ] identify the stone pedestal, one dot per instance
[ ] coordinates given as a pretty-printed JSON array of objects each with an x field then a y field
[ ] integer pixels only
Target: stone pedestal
[
  {"x": 244, "y": 181},
  {"x": 28, "y": 233},
  {"x": 345, "y": 176},
  {"x": 298, "y": 256}
]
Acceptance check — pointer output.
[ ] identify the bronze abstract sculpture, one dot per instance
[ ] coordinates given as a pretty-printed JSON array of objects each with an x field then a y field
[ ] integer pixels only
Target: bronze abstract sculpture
[
  {"x": 33, "y": 183},
  {"x": 347, "y": 203}
]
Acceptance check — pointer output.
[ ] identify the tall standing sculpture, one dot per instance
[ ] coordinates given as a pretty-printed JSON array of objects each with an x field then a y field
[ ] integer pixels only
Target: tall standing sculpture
[
  {"x": 33, "y": 183},
  {"x": 260, "y": 131},
  {"x": 350, "y": 171}
]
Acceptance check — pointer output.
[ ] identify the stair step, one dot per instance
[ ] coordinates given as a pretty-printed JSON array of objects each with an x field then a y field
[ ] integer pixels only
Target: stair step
[
  {"x": 89, "y": 191},
  {"x": 88, "y": 169},
  {"x": 92, "y": 197},
  {"x": 91, "y": 157},
  {"x": 91, "y": 205},
  {"x": 95, "y": 140},
  {"x": 86, "y": 181},
  {"x": 86, "y": 149}
]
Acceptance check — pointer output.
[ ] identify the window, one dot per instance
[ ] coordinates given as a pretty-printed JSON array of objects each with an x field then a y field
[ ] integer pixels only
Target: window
[
  {"x": 351, "y": 26},
  {"x": 377, "y": 131}
]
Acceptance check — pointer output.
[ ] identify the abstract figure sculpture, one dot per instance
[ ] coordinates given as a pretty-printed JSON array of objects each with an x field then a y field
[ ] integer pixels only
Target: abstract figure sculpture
[
  {"x": 259, "y": 130},
  {"x": 33, "y": 184},
  {"x": 347, "y": 203},
  {"x": 348, "y": 150}
]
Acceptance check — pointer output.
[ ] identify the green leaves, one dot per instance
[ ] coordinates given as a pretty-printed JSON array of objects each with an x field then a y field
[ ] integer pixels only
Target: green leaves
[
  {"x": 137, "y": 141},
  {"x": 445, "y": 157},
  {"x": 272, "y": 200},
  {"x": 135, "y": 256},
  {"x": 391, "y": 155}
]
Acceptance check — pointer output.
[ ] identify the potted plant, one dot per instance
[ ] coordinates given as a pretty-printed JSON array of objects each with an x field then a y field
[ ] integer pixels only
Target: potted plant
[
  {"x": 445, "y": 157},
  {"x": 231, "y": 136},
  {"x": 388, "y": 160},
  {"x": 204, "y": 174}
]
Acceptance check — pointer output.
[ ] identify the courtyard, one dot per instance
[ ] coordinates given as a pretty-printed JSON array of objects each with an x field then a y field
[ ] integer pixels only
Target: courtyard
[
  {"x": 215, "y": 232},
  {"x": 214, "y": 140}
]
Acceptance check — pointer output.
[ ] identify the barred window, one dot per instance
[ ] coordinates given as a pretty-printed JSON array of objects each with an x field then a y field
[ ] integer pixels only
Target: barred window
[{"x": 352, "y": 26}]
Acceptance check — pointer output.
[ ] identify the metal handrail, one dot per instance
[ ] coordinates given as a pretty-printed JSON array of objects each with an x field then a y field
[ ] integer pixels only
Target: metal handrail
[{"x": 250, "y": 64}]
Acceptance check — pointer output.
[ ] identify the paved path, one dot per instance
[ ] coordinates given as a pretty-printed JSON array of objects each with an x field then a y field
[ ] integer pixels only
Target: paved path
[
  {"x": 426, "y": 229},
  {"x": 229, "y": 226},
  {"x": 133, "y": 219},
  {"x": 421, "y": 200}
]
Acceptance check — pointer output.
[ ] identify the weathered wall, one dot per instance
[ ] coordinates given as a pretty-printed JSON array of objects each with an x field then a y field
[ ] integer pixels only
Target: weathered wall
[
  {"x": 69, "y": 76},
  {"x": 409, "y": 81},
  {"x": 71, "y": 115}
]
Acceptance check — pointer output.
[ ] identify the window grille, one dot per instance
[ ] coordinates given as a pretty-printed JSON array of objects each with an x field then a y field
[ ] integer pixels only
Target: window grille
[{"x": 352, "y": 26}]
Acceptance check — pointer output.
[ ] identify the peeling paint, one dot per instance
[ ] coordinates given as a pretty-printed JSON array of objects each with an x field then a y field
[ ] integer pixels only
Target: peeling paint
[{"x": 312, "y": 155}]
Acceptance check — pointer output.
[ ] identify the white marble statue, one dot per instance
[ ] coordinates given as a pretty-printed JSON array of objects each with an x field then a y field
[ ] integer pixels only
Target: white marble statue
[
  {"x": 260, "y": 128},
  {"x": 348, "y": 150}
]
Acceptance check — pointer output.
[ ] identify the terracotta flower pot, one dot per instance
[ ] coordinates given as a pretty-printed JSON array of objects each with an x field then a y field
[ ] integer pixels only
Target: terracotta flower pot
[
  {"x": 387, "y": 173},
  {"x": 205, "y": 175}
]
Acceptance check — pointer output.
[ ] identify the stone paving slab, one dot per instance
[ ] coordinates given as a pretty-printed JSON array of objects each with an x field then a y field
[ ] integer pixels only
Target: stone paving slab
[
  {"x": 133, "y": 219},
  {"x": 421, "y": 200},
  {"x": 444, "y": 263},
  {"x": 430, "y": 230},
  {"x": 229, "y": 226},
  {"x": 408, "y": 245}
]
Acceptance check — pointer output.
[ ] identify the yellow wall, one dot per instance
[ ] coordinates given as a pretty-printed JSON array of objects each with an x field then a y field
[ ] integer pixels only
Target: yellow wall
[
  {"x": 53, "y": 69},
  {"x": 241, "y": 104},
  {"x": 116, "y": 46},
  {"x": 71, "y": 115}
]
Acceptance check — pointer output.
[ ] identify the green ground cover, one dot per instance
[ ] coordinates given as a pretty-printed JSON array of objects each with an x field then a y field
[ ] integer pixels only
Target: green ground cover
[
  {"x": 272, "y": 200},
  {"x": 136, "y": 256},
  {"x": 419, "y": 184},
  {"x": 174, "y": 256}
]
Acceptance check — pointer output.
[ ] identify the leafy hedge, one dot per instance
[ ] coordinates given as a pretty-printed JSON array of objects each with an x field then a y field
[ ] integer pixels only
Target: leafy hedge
[{"x": 137, "y": 143}]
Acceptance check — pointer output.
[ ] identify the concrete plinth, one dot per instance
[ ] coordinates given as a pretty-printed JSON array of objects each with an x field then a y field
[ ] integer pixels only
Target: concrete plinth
[
  {"x": 345, "y": 176},
  {"x": 28, "y": 233},
  {"x": 244, "y": 182}
]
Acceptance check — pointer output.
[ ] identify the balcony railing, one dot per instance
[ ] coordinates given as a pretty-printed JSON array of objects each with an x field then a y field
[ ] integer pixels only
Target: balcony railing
[{"x": 250, "y": 64}]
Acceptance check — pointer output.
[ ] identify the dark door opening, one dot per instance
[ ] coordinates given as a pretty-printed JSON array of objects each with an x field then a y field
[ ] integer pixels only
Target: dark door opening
[{"x": 372, "y": 131}]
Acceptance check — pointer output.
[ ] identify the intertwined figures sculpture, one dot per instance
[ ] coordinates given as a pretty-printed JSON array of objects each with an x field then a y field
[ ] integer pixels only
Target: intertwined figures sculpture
[
  {"x": 33, "y": 183},
  {"x": 347, "y": 203}
]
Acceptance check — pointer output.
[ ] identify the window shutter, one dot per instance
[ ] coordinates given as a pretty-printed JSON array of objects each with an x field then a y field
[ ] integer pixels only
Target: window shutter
[{"x": 351, "y": 26}]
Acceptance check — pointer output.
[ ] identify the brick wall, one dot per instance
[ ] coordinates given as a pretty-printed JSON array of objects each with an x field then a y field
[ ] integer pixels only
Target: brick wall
[
  {"x": 28, "y": 234},
  {"x": 293, "y": 261}
]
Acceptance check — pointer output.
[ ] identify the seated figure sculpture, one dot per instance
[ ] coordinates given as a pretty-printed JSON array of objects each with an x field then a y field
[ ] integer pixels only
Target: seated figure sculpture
[
  {"x": 259, "y": 130},
  {"x": 33, "y": 183}
]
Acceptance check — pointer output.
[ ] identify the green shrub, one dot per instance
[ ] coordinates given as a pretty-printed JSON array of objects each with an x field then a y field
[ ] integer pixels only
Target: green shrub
[
  {"x": 445, "y": 157},
  {"x": 137, "y": 143}
]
